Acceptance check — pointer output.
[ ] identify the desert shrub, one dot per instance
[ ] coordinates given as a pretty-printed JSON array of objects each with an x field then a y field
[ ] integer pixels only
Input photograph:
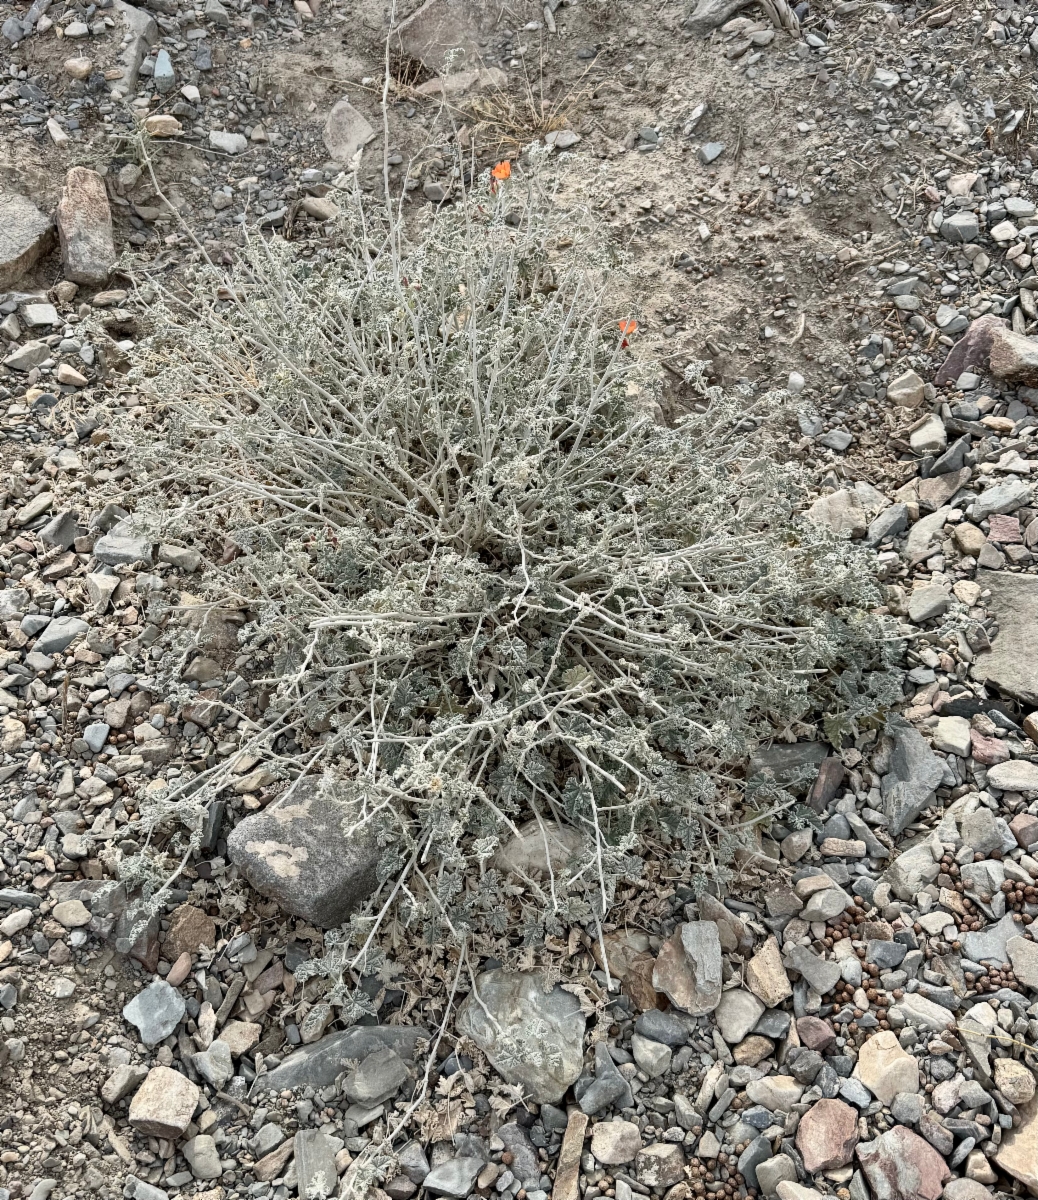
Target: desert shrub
[{"x": 492, "y": 585}]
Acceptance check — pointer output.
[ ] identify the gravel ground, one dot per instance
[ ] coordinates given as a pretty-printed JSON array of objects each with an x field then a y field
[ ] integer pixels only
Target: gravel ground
[{"x": 844, "y": 206}]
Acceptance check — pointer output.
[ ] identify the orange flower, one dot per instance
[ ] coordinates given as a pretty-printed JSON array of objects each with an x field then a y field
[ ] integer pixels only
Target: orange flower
[
  {"x": 625, "y": 328},
  {"x": 503, "y": 170}
]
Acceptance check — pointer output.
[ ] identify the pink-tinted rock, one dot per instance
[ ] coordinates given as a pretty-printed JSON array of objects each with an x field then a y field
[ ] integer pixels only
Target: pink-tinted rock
[
  {"x": 971, "y": 351},
  {"x": 815, "y": 1033},
  {"x": 988, "y": 750},
  {"x": 1004, "y": 530},
  {"x": 899, "y": 1165},
  {"x": 1024, "y": 828},
  {"x": 827, "y": 1135}
]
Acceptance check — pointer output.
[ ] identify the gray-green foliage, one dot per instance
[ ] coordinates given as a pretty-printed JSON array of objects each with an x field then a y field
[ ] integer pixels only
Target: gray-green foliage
[{"x": 495, "y": 585}]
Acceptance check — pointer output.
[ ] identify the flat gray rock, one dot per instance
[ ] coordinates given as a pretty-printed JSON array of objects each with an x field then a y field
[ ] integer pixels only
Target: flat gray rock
[
  {"x": 989, "y": 945},
  {"x": 454, "y": 1178},
  {"x": 532, "y": 1037},
  {"x": 295, "y": 852},
  {"x": 156, "y": 1011},
  {"x": 909, "y": 785},
  {"x": 59, "y": 634},
  {"x": 318, "y": 1064},
  {"x": 1011, "y": 664}
]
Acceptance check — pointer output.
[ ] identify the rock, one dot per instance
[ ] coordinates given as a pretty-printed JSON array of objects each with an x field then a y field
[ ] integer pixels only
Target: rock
[
  {"x": 827, "y": 1135},
  {"x": 1011, "y": 665},
  {"x": 660, "y": 1165},
  {"x": 78, "y": 68},
  {"x": 971, "y": 352},
  {"x": 122, "y": 1081},
  {"x": 774, "y": 1171},
  {"x": 25, "y": 236},
  {"x": 1004, "y": 497},
  {"x": 116, "y": 549},
  {"x": 189, "y": 928},
  {"x": 1014, "y": 358},
  {"x": 162, "y": 74},
  {"x": 1014, "y": 1080},
  {"x": 907, "y": 1108},
  {"x": 1023, "y": 954},
  {"x": 295, "y": 852},
  {"x": 662, "y": 1027},
  {"x": 885, "y": 1068},
  {"x": 899, "y": 1165},
  {"x": 911, "y": 871},
  {"x": 796, "y": 844},
  {"x": 652, "y": 1057},
  {"x": 454, "y": 1178},
  {"x": 736, "y": 1014},
  {"x": 227, "y": 142},
  {"x": 377, "y": 1078},
  {"x": 214, "y": 1064},
  {"x": 202, "y": 1157},
  {"x": 525, "y": 1165},
  {"x": 156, "y": 1011},
  {"x": 914, "y": 775},
  {"x": 825, "y": 902},
  {"x": 1017, "y": 1154},
  {"x": 753, "y": 1050},
  {"x": 766, "y": 976},
  {"x": 321, "y": 208},
  {"x": 531, "y": 1037},
  {"x": 965, "y": 1189},
  {"x": 164, "y": 1104},
  {"x": 1018, "y": 775},
  {"x": 757, "y": 1152},
  {"x": 795, "y": 1191},
  {"x": 28, "y": 355},
  {"x": 59, "y": 634},
  {"x": 952, "y": 736},
  {"x": 240, "y": 1036},
  {"x": 777, "y": 1093},
  {"x": 926, "y": 603},
  {"x": 990, "y": 943},
  {"x": 346, "y": 132},
  {"x": 615, "y": 1142},
  {"x": 821, "y": 974},
  {"x": 163, "y": 125},
  {"x": 71, "y": 914},
  {"x": 961, "y": 227},
  {"x": 537, "y": 842},
  {"x": 908, "y": 390},
  {"x": 438, "y": 28},
  {"x": 84, "y": 222},
  {"x": 930, "y": 437},
  {"x": 688, "y": 967},
  {"x": 921, "y": 1013},
  {"x": 842, "y": 512},
  {"x": 315, "y": 1163},
  {"x": 316, "y": 1065},
  {"x": 815, "y": 1034}
]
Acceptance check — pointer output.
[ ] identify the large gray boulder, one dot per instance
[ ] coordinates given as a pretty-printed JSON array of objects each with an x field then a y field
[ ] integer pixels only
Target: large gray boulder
[{"x": 295, "y": 852}]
